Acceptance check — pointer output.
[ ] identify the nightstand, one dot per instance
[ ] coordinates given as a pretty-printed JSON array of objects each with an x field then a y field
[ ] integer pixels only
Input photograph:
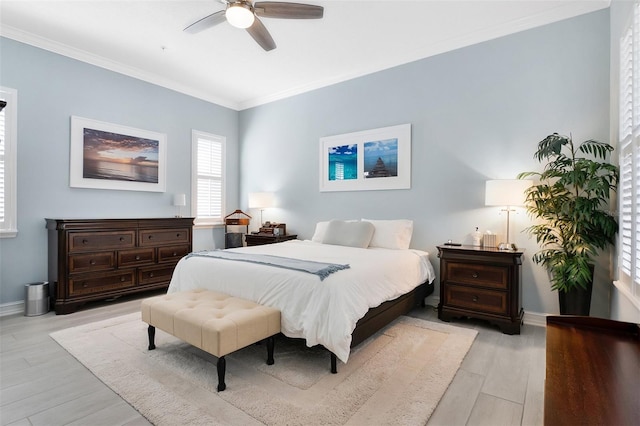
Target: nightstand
[
  {"x": 260, "y": 239},
  {"x": 482, "y": 283}
]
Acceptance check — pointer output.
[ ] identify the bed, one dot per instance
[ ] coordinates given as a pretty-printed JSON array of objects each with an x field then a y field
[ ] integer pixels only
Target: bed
[{"x": 374, "y": 280}]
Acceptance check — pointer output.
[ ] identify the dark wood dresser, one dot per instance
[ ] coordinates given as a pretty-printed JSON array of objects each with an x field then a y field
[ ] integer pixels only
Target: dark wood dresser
[
  {"x": 93, "y": 259},
  {"x": 482, "y": 283},
  {"x": 592, "y": 372}
]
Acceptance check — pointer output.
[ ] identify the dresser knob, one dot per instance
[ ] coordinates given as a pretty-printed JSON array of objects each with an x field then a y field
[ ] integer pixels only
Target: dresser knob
[
  {"x": 122, "y": 279},
  {"x": 85, "y": 285},
  {"x": 85, "y": 241},
  {"x": 474, "y": 275},
  {"x": 175, "y": 254},
  {"x": 92, "y": 262},
  {"x": 150, "y": 237},
  {"x": 178, "y": 235},
  {"x": 137, "y": 257},
  {"x": 121, "y": 239},
  {"x": 475, "y": 298},
  {"x": 150, "y": 274}
]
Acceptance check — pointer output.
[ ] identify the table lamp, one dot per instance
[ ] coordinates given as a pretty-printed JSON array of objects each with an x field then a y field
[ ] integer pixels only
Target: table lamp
[
  {"x": 506, "y": 193},
  {"x": 262, "y": 201}
]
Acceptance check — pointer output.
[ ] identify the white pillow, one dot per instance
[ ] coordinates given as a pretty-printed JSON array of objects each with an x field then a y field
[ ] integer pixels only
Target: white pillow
[
  {"x": 350, "y": 234},
  {"x": 321, "y": 228},
  {"x": 391, "y": 234}
]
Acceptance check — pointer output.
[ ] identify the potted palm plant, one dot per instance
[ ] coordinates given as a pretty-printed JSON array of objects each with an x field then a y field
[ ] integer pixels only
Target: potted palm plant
[{"x": 570, "y": 201}]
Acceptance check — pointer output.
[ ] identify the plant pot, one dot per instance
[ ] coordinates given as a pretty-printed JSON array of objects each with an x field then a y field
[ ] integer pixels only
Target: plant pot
[{"x": 576, "y": 301}]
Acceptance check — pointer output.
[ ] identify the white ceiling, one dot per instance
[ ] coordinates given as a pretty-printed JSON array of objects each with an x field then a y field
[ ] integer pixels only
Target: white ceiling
[{"x": 144, "y": 39}]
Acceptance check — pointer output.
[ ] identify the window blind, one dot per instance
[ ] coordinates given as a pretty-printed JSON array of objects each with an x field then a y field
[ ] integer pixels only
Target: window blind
[
  {"x": 629, "y": 143},
  {"x": 209, "y": 177}
]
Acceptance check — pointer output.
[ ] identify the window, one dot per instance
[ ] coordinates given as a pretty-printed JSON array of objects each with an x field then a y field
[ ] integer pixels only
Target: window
[
  {"x": 208, "y": 195},
  {"x": 8, "y": 161},
  {"x": 629, "y": 143}
]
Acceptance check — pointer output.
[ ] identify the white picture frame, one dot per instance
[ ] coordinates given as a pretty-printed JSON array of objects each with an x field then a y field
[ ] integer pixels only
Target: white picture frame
[
  {"x": 376, "y": 159},
  {"x": 111, "y": 156}
]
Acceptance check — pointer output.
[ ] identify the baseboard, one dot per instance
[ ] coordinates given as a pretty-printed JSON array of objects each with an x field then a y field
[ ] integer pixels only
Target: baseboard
[
  {"x": 12, "y": 308},
  {"x": 530, "y": 318}
]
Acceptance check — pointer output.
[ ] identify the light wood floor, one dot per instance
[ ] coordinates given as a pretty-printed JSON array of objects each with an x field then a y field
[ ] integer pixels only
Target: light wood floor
[{"x": 500, "y": 381}]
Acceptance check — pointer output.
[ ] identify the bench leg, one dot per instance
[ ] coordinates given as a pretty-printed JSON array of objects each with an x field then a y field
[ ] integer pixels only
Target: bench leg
[
  {"x": 222, "y": 366},
  {"x": 270, "y": 344},
  {"x": 334, "y": 363},
  {"x": 151, "y": 331}
]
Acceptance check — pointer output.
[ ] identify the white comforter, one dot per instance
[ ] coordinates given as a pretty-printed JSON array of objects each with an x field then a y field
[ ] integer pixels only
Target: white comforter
[{"x": 322, "y": 312}]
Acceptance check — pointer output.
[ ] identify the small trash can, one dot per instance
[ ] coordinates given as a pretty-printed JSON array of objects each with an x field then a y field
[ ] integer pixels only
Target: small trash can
[{"x": 36, "y": 299}]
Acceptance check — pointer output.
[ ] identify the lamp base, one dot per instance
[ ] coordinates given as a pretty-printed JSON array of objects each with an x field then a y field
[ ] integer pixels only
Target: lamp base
[{"x": 507, "y": 247}]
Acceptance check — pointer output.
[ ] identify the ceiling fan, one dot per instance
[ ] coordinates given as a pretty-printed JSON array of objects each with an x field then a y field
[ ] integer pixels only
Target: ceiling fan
[{"x": 245, "y": 14}]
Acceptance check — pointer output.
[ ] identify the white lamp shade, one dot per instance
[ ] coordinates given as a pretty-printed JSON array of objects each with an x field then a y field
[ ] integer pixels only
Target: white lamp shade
[
  {"x": 239, "y": 15},
  {"x": 179, "y": 200},
  {"x": 506, "y": 192},
  {"x": 261, "y": 200}
]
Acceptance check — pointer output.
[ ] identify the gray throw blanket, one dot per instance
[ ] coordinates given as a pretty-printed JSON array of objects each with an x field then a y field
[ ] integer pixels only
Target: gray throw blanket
[{"x": 323, "y": 270}]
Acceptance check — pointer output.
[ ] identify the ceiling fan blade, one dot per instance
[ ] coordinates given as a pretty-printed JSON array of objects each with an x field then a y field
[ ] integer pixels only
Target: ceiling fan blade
[
  {"x": 206, "y": 22},
  {"x": 260, "y": 34},
  {"x": 278, "y": 9}
]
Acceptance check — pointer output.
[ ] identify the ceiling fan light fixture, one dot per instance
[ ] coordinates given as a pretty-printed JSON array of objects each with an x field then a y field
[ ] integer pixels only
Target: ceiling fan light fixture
[{"x": 240, "y": 15}]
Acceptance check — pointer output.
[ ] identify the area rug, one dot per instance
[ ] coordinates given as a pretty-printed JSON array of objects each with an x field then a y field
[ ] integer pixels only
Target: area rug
[{"x": 395, "y": 377}]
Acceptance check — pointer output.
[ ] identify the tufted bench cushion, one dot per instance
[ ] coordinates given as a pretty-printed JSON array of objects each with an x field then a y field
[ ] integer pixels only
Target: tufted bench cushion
[{"x": 214, "y": 322}]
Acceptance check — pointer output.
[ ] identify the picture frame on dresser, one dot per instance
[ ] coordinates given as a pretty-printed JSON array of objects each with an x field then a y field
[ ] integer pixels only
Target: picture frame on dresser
[
  {"x": 112, "y": 156},
  {"x": 374, "y": 159}
]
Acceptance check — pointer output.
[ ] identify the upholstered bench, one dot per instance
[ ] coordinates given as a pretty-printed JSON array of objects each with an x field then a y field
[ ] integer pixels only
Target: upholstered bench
[{"x": 214, "y": 322}]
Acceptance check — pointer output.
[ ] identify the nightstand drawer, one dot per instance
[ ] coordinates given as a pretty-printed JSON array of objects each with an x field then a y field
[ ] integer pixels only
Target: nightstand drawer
[
  {"x": 129, "y": 258},
  {"x": 87, "y": 262},
  {"x": 154, "y": 237},
  {"x": 101, "y": 282},
  {"x": 478, "y": 275},
  {"x": 477, "y": 299},
  {"x": 86, "y": 241}
]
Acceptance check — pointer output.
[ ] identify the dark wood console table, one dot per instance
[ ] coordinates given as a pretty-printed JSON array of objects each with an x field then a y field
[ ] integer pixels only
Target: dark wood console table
[{"x": 593, "y": 372}]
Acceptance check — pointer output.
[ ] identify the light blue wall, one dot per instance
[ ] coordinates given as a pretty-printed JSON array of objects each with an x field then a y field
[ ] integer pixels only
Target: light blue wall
[
  {"x": 52, "y": 88},
  {"x": 476, "y": 114}
]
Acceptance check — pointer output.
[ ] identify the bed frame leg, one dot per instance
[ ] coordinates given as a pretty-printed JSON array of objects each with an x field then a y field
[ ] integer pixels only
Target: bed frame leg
[
  {"x": 270, "y": 344},
  {"x": 222, "y": 367},
  {"x": 151, "y": 331},
  {"x": 334, "y": 363}
]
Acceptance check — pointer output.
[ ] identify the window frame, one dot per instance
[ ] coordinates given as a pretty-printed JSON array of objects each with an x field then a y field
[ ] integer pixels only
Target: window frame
[
  {"x": 628, "y": 253},
  {"x": 196, "y": 136},
  {"x": 9, "y": 226}
]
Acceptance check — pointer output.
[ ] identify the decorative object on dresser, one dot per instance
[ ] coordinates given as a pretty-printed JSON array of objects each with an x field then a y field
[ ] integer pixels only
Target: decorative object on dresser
[
  {"x": 258, "y": 239},
  {"x": 481, "y": 283},
  {"x": 234, "y": 225},
  {"x": 179, "y": 200},
  {"x": 93, "y": 259}
]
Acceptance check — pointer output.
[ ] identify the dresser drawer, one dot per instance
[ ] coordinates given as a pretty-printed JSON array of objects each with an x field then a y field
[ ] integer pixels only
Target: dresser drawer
[
  {"x": 87, "y": 262},
  {"x": 157, "y": 274},
  {"x": 478, "y": 275},
  {"x": 155, "y": 237},
  {"x": 476, "y": 299},
  {"x": 86, "y": 241},
  {"x": 101, "y": 282},
  {"x": 172, "y": 254},
  {"x": 129, "y": 258}
]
